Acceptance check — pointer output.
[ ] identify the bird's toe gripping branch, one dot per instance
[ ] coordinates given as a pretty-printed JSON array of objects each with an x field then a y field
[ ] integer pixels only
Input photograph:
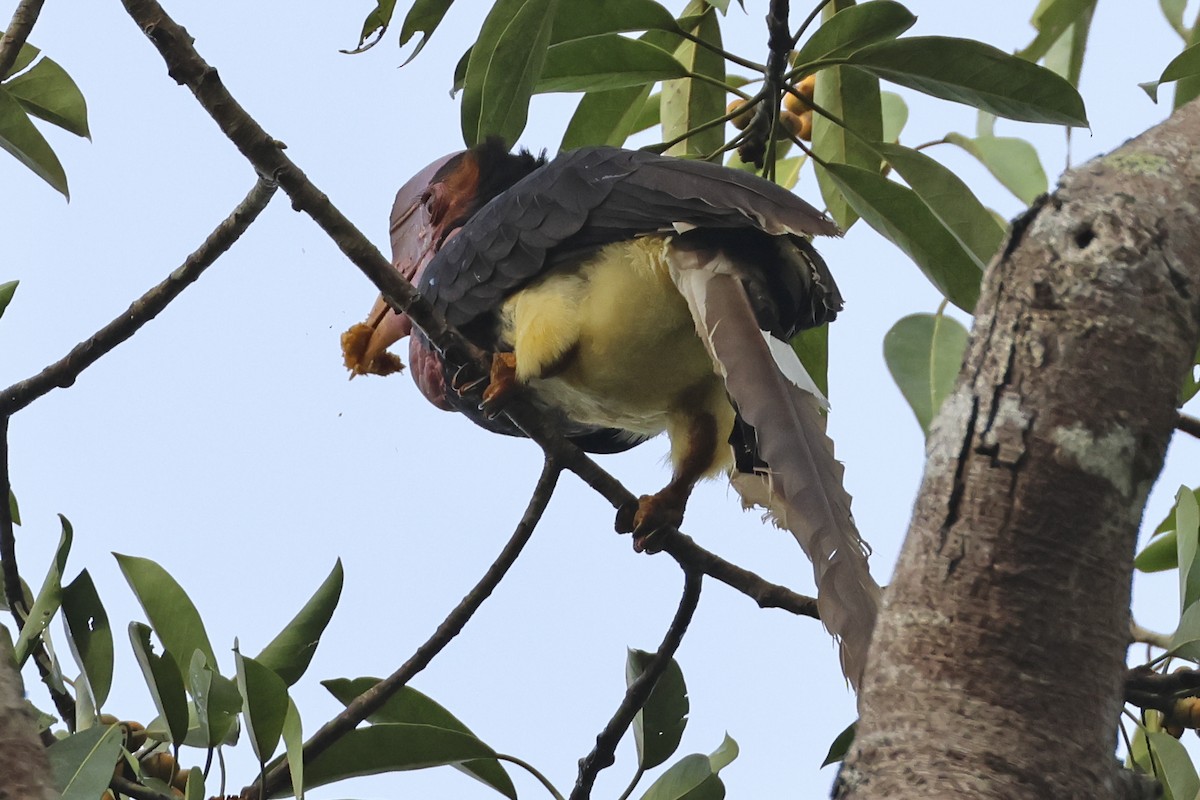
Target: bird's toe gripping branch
[{"x": 651, "y": 514}]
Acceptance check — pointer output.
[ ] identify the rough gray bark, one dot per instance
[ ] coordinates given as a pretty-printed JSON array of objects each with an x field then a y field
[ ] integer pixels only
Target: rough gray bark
[
  {"x": 997, "y": 664},
  {"x": 22, "y": 757}
]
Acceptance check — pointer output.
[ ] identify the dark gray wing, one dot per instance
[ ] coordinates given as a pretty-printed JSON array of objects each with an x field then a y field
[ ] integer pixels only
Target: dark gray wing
[{"x": 591, "y": 197}]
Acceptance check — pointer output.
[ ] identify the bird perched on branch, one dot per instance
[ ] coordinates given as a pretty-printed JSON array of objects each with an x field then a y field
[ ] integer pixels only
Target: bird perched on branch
[{"x": 628, "y": 294}]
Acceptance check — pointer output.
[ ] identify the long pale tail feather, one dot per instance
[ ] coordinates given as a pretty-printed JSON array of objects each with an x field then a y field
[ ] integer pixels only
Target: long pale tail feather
[{"x": 802, "y": 489}]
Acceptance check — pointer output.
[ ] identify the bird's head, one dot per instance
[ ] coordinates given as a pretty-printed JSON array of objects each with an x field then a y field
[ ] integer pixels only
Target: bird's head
[{"x": 430, "y": 209}]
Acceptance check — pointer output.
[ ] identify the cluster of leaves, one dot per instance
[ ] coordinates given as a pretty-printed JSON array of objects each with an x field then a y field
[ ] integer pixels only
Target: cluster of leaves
[
  {"x": 198, "y": 707},
  {"x": 43, "y": 90}
]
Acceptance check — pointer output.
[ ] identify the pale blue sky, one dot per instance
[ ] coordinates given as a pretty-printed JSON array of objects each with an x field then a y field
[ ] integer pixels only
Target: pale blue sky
[{"x": 225, "y": 442}]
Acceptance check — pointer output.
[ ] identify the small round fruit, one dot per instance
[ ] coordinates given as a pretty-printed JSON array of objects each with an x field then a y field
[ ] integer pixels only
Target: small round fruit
[
  {"x": 803, "y": 91},
  {"x": 744, "y": 114},
  {"x": 181, "y": 779},
  {"x": 159, "y": 765},
  {"x": 789, "y": 124},
  {"x": 107, "y": 719},
  {"x": 806, "y": 124}
]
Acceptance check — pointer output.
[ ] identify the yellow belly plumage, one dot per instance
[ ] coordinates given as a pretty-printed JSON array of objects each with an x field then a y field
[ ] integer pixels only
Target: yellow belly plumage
[{"x": 613, "y": 344}]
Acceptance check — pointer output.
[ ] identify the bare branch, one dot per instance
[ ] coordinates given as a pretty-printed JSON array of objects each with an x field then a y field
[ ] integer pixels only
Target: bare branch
[
  {"x": 367, "y": 703},
  {"x": 63, "y": 372},
  {"x": 604, "y": 753},
  {"x": 1189, "y": 425},
  {"x": 266, "y": 154},
  {"x": 1146, "y": 688},
  {"x": 766, "y": 115},
  {"x": 17, "y": 32}
]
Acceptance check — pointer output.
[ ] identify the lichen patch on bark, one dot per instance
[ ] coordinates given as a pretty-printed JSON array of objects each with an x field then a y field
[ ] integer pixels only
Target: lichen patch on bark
[{"x": 1108, "y": 456}]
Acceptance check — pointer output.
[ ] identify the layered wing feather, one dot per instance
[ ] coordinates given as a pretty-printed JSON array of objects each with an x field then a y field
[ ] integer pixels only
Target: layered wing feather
[{"x": 800, "y": 485}]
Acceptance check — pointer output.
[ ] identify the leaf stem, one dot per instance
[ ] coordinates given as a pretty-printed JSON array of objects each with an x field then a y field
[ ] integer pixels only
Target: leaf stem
[{"x": 525, "y": 765}]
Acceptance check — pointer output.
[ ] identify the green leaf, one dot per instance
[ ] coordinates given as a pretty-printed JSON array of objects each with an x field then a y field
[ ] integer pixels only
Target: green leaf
[
  {"x": 49, "y": 597},
  {"x": 1187, "y": 540},
  {"x": 724, "y": 755},
  {"x": 7, "y": 290},
  {"x": 377, "y": 20},
  {"x": 1184, "y": 65},
  {"x": 216, "y": 701},
  {"x": 1065, "y": 56},
  {"x": 392, "y": 748},
  {"x": 89, "y": 635},
  {"x": 691, "y": 777},
  {"x": 853, "y": 97},
  {"x": 82, "y": 764},
  {"x": 291, "y": 651},
  {"x": 1160, "y": 555},
  {"x": 1191, "y": 381},
  {"x": 173, "y": 616},
  {"x": 1052, "y": 20},
  {"x": 895, "y": 115},
  {"x": 601, "y": 63},
  {"x": 970, "y": 72},
  {"x": 293, "y": 743},
  {"x": 812, "y": 347},
  {"x": 658, "y": 727},
  {"x": 424, "y": 16},
  {"x": 899, "y": 215},
  {"x": 265, "y": 704},
  {"x": 164, "y": 680},
  {"x": 853, "y": 28},
  {"x": 47, "y": 91},
  {"x": 25, "y": 143},
  {"x": 924, "y": 353},
  {"x": 613, "y": 16},
  {"x": 687, "y": 102},
  {"x": 503, "y": 67},
  {"x": 606, "y": 118},
  {"x": 787, "y": 172},
  {"x": 840, "y": 745},
  {"x": 1173, "y": 11},
  {"x": 409, "y": 706},
  {"x": 1175, "y": 769},
  {"x": 950, "y": 199},
  {"x": 25, "y": 57},
  {"x": 1014, "y": 162},
  {"x": 194, "y": 789},
  {"x": 1185, "y": 641}
]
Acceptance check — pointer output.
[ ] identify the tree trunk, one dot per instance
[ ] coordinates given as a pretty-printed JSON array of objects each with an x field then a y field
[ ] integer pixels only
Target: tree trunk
[
  {"x": 997, "y": 665},
  {"x": 23, "y": 764}
]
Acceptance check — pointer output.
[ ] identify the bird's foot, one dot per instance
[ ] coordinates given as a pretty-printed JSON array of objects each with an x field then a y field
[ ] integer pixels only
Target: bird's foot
[
  {"x": 649, "y": 515},
  {"x": 502, "y": 384}
]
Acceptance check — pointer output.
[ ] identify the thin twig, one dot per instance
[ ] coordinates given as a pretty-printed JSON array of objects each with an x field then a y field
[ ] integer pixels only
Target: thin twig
[
  {"x": 1189, "y": 425},
  {"x": 812, "y": 15},
  {"x": 14, "y": 595},
  {"x": 63, "y": 372},
  {"x": 370, "y": 701},
  {"x": 1146, "y": 636},
  {"x": 136, "y": 790},
  {"x": 17, "y": 32},
  {"x": 604, "y": 753}
]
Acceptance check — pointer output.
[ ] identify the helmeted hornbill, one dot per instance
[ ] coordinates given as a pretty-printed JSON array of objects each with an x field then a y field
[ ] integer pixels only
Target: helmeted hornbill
[{"x": 629, "y": 293}]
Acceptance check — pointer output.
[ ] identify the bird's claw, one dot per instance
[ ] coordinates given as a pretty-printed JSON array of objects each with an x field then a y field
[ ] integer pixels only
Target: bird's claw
[
  {"x": 647, "y": 516},
  {"x": 502, "y": 384},
  {"x": 466, "y": 380}
]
